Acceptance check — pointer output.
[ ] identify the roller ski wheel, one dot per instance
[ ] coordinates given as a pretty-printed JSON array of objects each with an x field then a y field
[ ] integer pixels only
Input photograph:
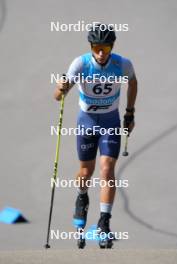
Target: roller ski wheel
[
  {"x": 81, "y": 241},
  {"x": 106, "y": 243}
]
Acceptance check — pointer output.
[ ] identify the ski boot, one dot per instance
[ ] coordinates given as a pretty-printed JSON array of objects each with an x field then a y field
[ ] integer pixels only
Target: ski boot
[
  {"x": 80, "y": 217},
  {"x": 104, "y": 233}
]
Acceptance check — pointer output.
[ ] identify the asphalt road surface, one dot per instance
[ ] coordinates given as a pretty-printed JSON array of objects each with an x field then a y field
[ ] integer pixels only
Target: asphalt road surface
[{"x": 29, "y": 53}]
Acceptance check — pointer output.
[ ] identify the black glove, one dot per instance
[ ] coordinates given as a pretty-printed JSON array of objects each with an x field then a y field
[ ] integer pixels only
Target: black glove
[{"x": 128, "y": 119}]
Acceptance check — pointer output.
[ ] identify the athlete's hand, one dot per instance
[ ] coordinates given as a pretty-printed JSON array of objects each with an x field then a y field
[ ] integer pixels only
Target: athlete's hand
[
  {"x": 129, "y": 122},
  {"x": 63, "y": 85},
  {"x": 62, "y": 88}
]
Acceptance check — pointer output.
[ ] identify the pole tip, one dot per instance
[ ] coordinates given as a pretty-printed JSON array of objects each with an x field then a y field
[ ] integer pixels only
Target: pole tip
[
  {"x": 47, "y": 246},
  {"x": 125, "y": 153}
]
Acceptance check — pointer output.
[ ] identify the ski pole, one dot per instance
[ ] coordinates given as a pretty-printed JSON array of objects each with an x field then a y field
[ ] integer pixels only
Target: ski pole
[
  {"x": 125, "y": 152},
  {"x": 55, "y": 168}
]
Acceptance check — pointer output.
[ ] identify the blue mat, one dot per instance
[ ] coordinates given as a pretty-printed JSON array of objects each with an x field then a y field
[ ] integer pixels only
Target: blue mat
[{"x": 11, "y": 215}]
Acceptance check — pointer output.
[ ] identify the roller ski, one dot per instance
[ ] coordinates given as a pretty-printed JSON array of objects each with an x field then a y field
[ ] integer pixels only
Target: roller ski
[
  {"x": 104, "y": 233},
  {"x": 80, "y": 217}
]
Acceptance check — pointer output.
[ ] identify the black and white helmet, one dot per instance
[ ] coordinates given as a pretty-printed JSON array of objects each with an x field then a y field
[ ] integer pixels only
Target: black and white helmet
[{"x": 101, "y": 34}]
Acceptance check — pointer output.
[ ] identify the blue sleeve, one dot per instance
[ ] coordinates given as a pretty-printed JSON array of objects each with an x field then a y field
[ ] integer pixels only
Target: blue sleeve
[{"x": 127, "y": 68}]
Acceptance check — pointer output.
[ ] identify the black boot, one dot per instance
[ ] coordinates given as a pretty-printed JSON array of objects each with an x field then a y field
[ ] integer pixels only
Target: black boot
[
  {"x": 106, "y": 237},
  {"x": 81, "y": 209}
]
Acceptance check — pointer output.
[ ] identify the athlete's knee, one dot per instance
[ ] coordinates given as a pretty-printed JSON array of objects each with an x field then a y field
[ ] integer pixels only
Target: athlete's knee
[
  {"x": 107, "y": 172},
  {"x": 86, "y": 172}
]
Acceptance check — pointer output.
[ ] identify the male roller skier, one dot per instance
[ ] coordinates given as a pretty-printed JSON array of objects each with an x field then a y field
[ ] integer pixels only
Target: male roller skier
[{"x": 99, "y": 107}]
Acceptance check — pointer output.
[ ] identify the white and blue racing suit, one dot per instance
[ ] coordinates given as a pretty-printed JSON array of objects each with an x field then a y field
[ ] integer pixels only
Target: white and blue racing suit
[{"x": 99, "y": 101}]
